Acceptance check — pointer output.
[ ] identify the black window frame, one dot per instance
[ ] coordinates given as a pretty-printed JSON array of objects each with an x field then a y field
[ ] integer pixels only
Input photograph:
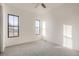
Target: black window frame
[{"x": 13, "y": 26}]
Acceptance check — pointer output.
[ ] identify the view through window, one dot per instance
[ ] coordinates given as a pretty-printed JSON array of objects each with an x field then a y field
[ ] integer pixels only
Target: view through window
[
  {"x": 13, "y": 25},
  {"x": 37, "y": 25}
]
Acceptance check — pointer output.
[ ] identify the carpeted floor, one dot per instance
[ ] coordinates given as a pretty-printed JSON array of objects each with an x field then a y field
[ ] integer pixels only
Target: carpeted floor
[{"x": 39, "y": 48}]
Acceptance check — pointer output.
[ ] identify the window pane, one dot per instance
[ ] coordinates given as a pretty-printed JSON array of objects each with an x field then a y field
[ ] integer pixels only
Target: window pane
[
  {"x": 37, "y": 24},
  {"x": 15, "y": 31},
  {"x": 10, "y": 20},
  {"x": 13, "y": 26},
  {"x": 10, "y": 31},
  {"x": 15, "y": 21}
]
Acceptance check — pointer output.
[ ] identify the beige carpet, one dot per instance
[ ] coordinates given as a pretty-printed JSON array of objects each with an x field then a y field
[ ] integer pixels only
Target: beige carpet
[{"x": 39, "y": 48}]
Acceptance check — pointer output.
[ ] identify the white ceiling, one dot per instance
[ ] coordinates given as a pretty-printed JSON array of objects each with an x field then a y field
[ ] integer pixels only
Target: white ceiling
[{"x": 31, "y": 6}]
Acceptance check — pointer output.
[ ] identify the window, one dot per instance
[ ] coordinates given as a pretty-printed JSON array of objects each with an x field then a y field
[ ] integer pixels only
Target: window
[
  {"x": 37, "y": 25},
  {"x": 13, "y": 26}
]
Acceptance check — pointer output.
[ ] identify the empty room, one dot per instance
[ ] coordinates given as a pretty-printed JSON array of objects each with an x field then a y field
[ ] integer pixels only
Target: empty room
[{"x": 39, "y": 29}]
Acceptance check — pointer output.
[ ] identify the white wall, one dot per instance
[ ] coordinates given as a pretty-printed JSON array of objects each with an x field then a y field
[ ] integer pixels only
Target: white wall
[
  {"x": 27, "y": 26},
  {"x": 50, "y": 28},
  {"x": 0, "y": 28},
  {"x": 67, "y": 14}
]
